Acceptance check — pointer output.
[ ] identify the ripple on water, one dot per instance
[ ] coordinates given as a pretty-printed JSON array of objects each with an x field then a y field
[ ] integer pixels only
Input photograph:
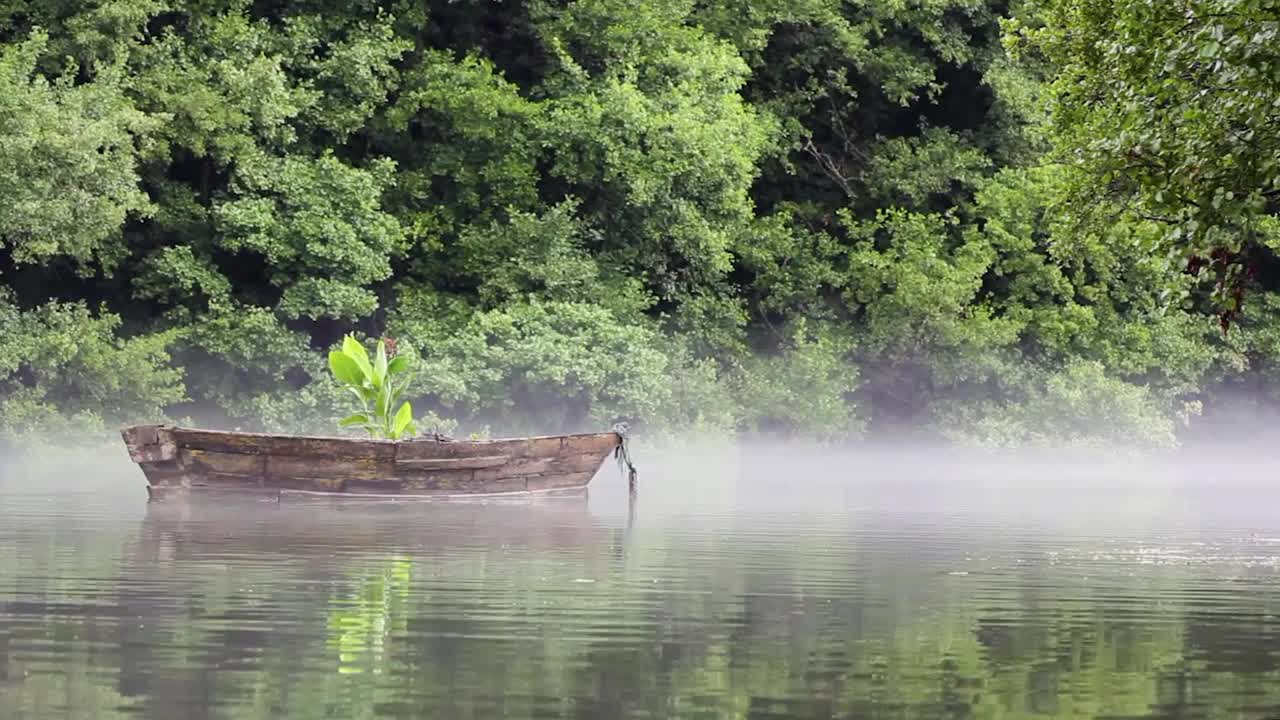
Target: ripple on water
[{"x": 730, "y": 601}]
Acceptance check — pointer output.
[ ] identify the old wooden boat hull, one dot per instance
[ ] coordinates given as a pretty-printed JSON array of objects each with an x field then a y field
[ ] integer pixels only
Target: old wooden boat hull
[{"x": 181, "y": 461}]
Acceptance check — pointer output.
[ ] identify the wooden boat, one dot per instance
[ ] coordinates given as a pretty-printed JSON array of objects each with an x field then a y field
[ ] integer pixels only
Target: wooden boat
[{"x": 182, "y": 461}]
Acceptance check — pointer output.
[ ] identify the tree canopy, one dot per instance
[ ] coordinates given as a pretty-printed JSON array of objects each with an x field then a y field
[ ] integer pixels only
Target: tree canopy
[
  {"x": 1171, "y": 110},
  {"x": 989, "y": 223}
]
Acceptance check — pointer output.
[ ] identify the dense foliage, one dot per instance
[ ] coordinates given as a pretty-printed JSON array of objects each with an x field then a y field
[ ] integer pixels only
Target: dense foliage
[
  {"x": 1172, "y": 110},
  {"x": 813, "y": 218}
]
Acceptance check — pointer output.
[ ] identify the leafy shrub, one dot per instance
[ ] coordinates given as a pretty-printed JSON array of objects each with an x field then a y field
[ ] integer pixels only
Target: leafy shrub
[
  {"x": 802, "y": 390},
  {"x": 67, "y": 371},
  {"x": 378, "y": 385},
  {"x": 1078, "y": 406}
]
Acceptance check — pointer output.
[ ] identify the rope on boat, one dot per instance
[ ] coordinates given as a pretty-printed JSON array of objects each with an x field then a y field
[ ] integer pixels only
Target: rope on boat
[{"x": 622, "y": 454}]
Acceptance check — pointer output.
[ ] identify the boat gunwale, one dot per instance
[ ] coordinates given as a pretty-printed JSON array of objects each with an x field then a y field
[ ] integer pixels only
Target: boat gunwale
[{"x": 348, "y": 439}]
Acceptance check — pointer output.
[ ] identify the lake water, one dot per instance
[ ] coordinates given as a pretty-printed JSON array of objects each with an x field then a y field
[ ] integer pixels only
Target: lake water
[{"x": 735, "y": 586}]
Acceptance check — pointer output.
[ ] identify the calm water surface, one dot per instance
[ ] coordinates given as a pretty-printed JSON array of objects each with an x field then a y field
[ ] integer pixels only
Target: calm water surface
[{"x": 734, "y": 587}]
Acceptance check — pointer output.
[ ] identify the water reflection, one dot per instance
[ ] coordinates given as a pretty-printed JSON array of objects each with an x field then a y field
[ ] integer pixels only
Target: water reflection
[{"x": 719, "y": 601}]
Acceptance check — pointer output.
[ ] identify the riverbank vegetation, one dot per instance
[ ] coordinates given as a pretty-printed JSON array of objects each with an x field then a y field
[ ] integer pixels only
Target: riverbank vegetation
[{"x": 989, "y": 223}]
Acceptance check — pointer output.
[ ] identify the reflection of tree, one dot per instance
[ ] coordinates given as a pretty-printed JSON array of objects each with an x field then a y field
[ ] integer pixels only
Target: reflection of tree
[{"x": 480, "y": 611}]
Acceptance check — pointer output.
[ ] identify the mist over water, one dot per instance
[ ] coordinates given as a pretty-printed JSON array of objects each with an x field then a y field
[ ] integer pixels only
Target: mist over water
[{"x": 759, "y": 581}]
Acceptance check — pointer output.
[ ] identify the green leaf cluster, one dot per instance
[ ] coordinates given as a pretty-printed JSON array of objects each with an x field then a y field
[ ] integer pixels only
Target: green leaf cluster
[{"x": 378, "y": 386}]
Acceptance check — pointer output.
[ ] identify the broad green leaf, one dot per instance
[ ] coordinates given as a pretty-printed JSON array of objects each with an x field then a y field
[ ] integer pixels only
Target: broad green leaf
[
  {"x": 380, "y": 365},
  {"x": 398, "y": 364},
  {"x": 345, "y": 369},
  {"x": 403, "y": 417},
  {"x": 354, "y": 350},
  {"x": 362, "y": 394},
  {"x": 357, "y": 419},
  {"x": 352, "y": 347},
  {"x": 383, "y": 400}
]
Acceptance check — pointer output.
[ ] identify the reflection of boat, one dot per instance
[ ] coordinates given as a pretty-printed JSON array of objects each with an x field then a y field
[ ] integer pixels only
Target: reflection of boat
[
  {"x": 178, "y": 461},
  {"x": 241, "y": 527},
  {"x": 287, "y": 587}
]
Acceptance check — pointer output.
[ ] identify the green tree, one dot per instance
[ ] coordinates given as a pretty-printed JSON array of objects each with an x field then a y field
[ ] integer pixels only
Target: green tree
[
  {"x": 814, "y": 218},
  {"x": 65, "y": 372},
  {"x": 69, "y": 155},
  {"x": 1171, "y": 110}
]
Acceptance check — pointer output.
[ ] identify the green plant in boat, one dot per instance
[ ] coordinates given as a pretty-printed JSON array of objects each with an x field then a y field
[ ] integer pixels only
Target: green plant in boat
[{"x": 379, "y": 385}]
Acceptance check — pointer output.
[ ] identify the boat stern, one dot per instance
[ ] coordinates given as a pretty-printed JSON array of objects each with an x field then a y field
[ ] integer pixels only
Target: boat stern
[
  {"x": 155, "y": 450},
  {"x": 150, "y": 443}
]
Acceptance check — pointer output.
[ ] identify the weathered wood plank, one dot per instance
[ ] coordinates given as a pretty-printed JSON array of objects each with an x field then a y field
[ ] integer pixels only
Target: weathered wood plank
[
  {"x": 552, "y": 482},
  {"x": 204, "y": 461},
  {"x": 514, "y": 448},
  {"x": 508, "y": 485},
  {"x": 217, "y": 441},
  {"x": 539, "y": 447},
  {"x": 383, "y": 451},
  {"x": 582, "y": 444},
  {"x": 429, "y": 479},
  {"x": 492, "y": 486},
  {"x": 498, "y": 486},
  {"x": 291, "y": 466},
  {"x": 455, "y": 463},
  {"x": 225, "y": 480},
  {"x": 373, "y": 487},
  {"x": 516, "y": 468},
  {"x": 525, "y": 467},
  {"x": 316, "y": 484},
  {"x": 581, "y": 463},
  {"x": 309, "y": 447},
  {"x": 432, "y": 450}
]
